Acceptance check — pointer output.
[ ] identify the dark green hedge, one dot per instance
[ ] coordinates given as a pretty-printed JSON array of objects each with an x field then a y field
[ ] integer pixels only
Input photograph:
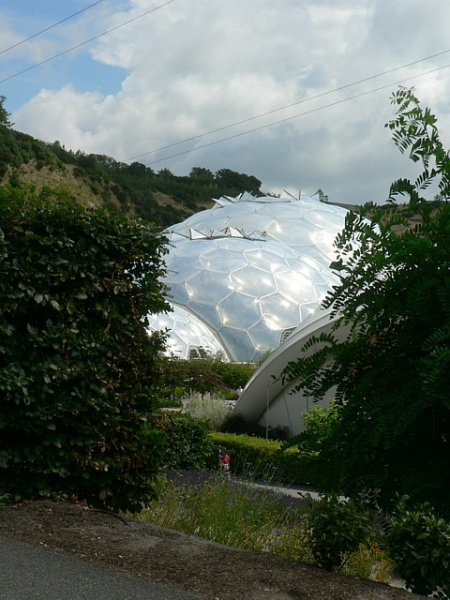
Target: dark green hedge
[
  {"x": 77, "y": 368},
  {"x": 187, "y": 442},
  {"x": 270, "y": 460}
]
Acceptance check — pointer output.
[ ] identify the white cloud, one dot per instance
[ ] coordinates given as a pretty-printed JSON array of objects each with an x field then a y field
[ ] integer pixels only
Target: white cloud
[{"x": 193, "y": 68}]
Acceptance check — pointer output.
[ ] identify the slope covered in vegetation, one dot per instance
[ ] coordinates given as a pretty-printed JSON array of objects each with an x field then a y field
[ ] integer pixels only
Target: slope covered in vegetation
[{"x": 98, "y": 180}]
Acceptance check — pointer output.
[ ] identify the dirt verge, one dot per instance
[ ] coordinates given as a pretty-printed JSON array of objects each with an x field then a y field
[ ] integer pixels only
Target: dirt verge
[{"x": 205, "y": 570}]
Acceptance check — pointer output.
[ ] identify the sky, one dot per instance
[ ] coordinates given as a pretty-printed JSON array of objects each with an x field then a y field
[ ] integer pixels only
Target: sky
[{"x": 294, "y": 92}]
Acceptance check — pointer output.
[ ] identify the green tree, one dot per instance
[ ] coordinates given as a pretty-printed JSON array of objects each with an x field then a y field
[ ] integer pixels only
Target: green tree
[
  {"x": 77, "y": 368},
  {"x": 204, "y": 175},
  {"x": 238, "y": 181},
  {"x": 4, "y": 114},
  {"x": 319, "y": 424},
  {"x": 391, "y": 369}
]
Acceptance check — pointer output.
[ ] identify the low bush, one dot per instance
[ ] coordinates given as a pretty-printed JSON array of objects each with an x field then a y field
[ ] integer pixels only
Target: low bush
[
  {"x": 234, "y": 375},
  {"x": 337, "y": 529},
  {"x": 320, "y": 423},
  {"x": 205, "y": 375},
  {"x": 371, "y": 561},
  {"x": 419, "y": 543},
  {"x": 187, "y": 441}
]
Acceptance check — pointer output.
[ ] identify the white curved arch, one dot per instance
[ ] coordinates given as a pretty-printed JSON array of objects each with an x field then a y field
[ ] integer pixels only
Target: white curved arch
[{"x": 269, "y": 402}]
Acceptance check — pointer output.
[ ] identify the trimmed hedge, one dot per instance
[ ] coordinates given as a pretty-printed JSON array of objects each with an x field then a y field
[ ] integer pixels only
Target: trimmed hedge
[
  {"x": 78, "y": 371},
  {"x": 187, "y": 444},
  {"x": 271, "y": 460}
]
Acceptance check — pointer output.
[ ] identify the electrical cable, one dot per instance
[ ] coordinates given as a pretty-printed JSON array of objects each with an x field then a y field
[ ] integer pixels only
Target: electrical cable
[
  {"x": 243, "y": 121},
  {"x": 275, "y": 110},
  {"x": 96, "y": 37},
  {"x": 302, "y": 114},
  {"x": 35, "y": 35}
]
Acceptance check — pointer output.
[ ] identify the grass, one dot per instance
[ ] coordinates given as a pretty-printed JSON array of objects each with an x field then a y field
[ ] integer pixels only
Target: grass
[{"x": 240, "y": 516}]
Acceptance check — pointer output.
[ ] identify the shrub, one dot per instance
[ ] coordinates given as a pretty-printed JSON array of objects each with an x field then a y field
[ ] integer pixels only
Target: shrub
[
  {"x": 337, "y": 528},
  {"x": 196, "y": 375},
  {"x": 320, "y": 422},
  {"x": 371, "y": 561},
  {"x": 77, "y": 368},
  {"x": 234, "y": 375},
  {"x": 419, "y": 543},
  {"x": 269, "y": 459},
  {"x": 212, "y": 409},
  {"x": 187, "y": 442},
  {"x": 386, "y": 357}
]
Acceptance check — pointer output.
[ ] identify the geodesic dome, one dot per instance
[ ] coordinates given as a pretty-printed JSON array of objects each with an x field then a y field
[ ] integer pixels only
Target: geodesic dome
[
  {"x": 188, "y": 336},
  {"x": 250, "y": 270},
  {"x": 307, "y": 226}
]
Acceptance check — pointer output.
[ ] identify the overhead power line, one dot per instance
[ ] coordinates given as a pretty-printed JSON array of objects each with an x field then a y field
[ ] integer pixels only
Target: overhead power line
[
  {"x": 236, "y": 123},
  {"x": 279, "y": 109},
  {"x": 35, "y": 35},
  {"x": 296, "y": 116},
  {"x": 92, "y": 39}
]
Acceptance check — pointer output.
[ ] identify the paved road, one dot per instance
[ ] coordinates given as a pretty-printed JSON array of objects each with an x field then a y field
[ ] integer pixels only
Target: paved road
[
  {"x": 32, "y": 573},
  {"x": 293, "y": 491}
]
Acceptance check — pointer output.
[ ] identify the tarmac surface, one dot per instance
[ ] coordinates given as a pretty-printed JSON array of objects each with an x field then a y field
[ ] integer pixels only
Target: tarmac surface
[{"x": 32, "y": 573}]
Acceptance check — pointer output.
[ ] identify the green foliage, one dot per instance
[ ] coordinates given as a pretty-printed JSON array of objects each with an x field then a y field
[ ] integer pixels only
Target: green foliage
[
  {"x": 337, "y": 530},
  {"x": 261, "y": 521},
  {"x": 415, "y": 132},
  {"x": 388, "y": 357},
  {"x": 18, "y": 148},
  {"x": 233, "y": 514},
  {"x": 371, "y": 561},
  {"x": 191, "y": 375},
  {"x": 4, "y": 114},
  {"x": 320, "y": 423},
  {"x": 137, "y": 187},
  {"x": 187, "y": 444},
  {"x": 232, "y": 181},
  {"x": 272, "y": 460},
  {"x": 161, "y": 197},
  {"x": 77, "y": 368},
  {"x": 419, "y": 543},
  {"x": 233, "y": 375},
  {"x": 204, "y": 375}
]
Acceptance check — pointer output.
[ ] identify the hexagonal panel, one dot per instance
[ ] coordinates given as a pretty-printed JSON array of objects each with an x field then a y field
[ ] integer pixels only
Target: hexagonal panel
[
  {"x": 285, "y": 312},
  {"x": 241, "y": 311},
  {"x": 238, "y": 344}
]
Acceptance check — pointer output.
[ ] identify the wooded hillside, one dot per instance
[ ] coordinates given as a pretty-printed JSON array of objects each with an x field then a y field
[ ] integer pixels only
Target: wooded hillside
[{"x": 97, "y": 179}]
